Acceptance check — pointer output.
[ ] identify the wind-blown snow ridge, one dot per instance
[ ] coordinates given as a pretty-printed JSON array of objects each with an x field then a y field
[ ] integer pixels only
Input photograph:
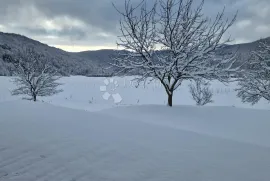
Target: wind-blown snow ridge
[{"x": 237, "y": 124}]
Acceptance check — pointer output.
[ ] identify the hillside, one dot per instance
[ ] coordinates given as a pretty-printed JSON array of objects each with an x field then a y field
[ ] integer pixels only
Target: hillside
[
  {"x": 66, "y": 63},
  {"x": 89, "y": 63},
  {"x": 103, "y": 57},
  {"x": 244, "y": 50}
]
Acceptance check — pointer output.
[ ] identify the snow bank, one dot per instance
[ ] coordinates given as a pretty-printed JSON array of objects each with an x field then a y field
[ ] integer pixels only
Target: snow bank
[
  {"x": 243, "y": 125},
  {"x": 41, "y": 142}
]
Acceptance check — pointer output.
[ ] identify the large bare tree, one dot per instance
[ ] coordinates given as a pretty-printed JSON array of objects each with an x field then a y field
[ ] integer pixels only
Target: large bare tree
[
  {"x": 33, "y": 75},
  {"x": 255, "y": 81},
  {"x": 173, "y": 41}
]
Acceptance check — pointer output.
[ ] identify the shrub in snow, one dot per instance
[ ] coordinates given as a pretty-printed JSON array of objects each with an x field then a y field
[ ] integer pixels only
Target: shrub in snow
[
  {"x": 201, "y": 93},
  {"x": 255, "y": 81},
  {"x": 173, "y": 41},
  {"x": 33, "y": 75}
]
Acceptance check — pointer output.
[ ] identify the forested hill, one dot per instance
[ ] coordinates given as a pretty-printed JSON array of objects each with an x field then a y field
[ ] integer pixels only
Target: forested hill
[
  {"x": 65, "y": 62},
  {"x": 88, "y": 63}
]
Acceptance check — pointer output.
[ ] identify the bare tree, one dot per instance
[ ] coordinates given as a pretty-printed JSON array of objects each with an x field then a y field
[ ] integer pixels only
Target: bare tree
[
  {"x": 33, "y": 75},
  {"x": 255, "y": 81},
  {"x": 201, "y": 92},
  {"x": 173, "y": 41}
]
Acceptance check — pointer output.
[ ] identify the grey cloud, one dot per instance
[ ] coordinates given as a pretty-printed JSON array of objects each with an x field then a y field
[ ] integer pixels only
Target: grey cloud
[
  {"x": 100, "y": 18},
  {"x": 99, "y": 13},
  {"x": 72, "y": 33}
]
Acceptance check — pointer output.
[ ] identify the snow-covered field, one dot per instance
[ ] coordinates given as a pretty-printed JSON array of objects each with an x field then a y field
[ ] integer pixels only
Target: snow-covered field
[
  {"x": 84, "y": 93},
  {"x": 146, "y": 141}
]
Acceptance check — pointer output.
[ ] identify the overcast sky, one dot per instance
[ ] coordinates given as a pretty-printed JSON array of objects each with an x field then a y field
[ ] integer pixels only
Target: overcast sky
[{"x": 76, "y": 25}]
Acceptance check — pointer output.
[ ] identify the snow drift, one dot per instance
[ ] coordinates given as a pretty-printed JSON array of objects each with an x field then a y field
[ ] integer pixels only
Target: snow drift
[{"x": 41, "y": 142}]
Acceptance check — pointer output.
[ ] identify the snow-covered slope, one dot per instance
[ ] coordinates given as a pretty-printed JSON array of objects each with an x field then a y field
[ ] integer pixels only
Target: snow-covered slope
[
  {"x": 243, "y": 125},
  {"x": 41, "y": 142},
  {"x": 89, "y": 62},
  {"x": 66, "y": 63}
]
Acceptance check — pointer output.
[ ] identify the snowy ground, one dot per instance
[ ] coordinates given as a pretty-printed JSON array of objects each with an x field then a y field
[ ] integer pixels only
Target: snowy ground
[
  {"x": 45, "y": 142},
  {"x": 84, "y": 93},
  {"x": 40, "y": 142}
]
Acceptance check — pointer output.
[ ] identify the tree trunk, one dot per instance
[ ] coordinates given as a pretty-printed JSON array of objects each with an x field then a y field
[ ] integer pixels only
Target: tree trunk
[
  {"x": 34, "y": 98},
  {"x": 170, "y": 96}
]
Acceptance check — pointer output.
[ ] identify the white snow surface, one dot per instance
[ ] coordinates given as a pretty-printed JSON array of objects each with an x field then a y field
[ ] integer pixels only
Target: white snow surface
[
  {"x": 226, "y": 141},
  {"x": 40, "y": 142},
  {"x": 84, "y": 93}
]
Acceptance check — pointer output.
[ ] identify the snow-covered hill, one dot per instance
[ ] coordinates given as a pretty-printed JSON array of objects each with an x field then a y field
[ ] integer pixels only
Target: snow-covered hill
[
  {"x": 66, "y": 63},
  {"x": 41, "y": 142},
  {"x": 88, "y": 63}
]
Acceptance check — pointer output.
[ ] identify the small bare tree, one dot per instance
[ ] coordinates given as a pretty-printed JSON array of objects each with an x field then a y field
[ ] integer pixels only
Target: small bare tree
[
  {"x": 173, "y": 41},
  {"x": 201, "y": 92},
  {"x": 255, "y": 81},
  {"x": 33, "y": 75}
]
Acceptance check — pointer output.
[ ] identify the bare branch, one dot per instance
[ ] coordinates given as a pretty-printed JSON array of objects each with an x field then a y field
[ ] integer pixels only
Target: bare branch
[
  {"x": 201, "y": 92},
  {"x": 173, "y": 41},
  {"x": 255, "y": 81},
  {"x": 33, "y": 75}
]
